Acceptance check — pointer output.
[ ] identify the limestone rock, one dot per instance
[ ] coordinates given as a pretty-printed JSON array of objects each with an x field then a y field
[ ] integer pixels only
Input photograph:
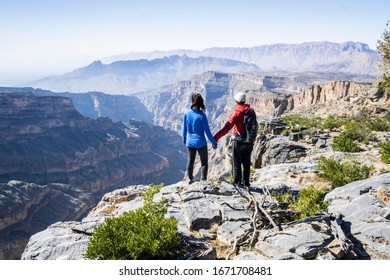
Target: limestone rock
[
  {"x": 365, "y": 221},
  {"x": 281, "y": 150},
  {"x": 303, "y": 240},
  {"x": 201, "y": 213},
  {"x": 366, "y": 218},
  {"x": 382, "y": 194}
]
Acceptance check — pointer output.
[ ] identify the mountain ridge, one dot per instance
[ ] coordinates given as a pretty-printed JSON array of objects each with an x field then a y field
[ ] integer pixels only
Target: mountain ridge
[
  {"x": 282, "y": 56},
  {"x": 153, "y": 70},
  {"x": 157, "y": 53},
  {"x": 131, "y": 76}
]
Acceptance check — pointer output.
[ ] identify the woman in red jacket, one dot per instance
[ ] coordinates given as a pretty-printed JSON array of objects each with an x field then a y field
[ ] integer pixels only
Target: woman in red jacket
[{"x": 241, "y": 150}]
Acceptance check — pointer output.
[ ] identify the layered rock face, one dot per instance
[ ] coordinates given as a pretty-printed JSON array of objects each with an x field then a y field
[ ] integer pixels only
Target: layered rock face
[
  {"x": 340, "y": 98},
  {"x": 27, "y": 208},
  {"x": 45, "y": 141},
  {"x": 270, "y": 96},
  {"x": 169, "y": 104},
  {"x": 96, "y": 104}
]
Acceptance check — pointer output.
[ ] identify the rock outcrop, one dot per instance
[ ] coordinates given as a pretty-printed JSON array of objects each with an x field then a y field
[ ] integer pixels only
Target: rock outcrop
[
  {"x": 96, "y": 104},
  {"x": 208, "y": 218},
  {"x": 45, "y": 141},
  {"x": 366, "y": 218},
  {"x": 278, "y": 150},
  {"x": 27, "y": 208},
  {"x": 340, "y": 98}
]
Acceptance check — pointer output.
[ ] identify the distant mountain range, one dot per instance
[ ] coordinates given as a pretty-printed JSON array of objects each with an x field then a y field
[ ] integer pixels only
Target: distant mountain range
[
  {"x": 137, "y": 72},
  {"x": 348, "y": 57},
  {"x": 131, "y": 76}
]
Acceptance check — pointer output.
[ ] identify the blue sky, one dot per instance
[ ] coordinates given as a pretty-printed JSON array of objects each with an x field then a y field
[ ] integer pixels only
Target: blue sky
[{"x": 42, "y": 37}]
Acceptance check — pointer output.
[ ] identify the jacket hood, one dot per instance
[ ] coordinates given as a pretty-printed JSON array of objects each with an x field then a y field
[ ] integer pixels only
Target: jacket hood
[{"x": 242, "y": 108}]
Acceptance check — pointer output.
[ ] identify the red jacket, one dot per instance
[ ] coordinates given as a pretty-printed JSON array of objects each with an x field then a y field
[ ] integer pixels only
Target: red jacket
[{"x": 236, "y": 120}]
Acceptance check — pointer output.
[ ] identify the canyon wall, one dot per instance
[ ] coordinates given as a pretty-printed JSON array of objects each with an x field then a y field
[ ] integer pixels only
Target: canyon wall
[{"x": 47, "y": 143}]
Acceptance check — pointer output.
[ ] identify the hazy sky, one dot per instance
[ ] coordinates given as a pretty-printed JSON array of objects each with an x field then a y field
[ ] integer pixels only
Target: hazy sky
[{"x": 43, "y": 37}]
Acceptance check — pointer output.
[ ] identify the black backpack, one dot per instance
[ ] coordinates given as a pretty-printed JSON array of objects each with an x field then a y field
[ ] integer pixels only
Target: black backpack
[{"x": 251, "y": 127}]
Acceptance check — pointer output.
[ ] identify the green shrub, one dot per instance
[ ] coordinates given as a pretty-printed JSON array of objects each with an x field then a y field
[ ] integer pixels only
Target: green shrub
[
  {"x": 378, "y": 123},
  {"x": 340, "y": 174},
  {"x": 310, "y": 202},
  {"x": 332, "y": 122},
  {"x": 385, "y": 151},
  {"x": 284, "y": 199},
  {"x": 297, "y": 120},
  {"x": 137, "y": 235},
  {"x": 357, "y": 131},
  {"x": 383, "y": 48},
  {"x": 384, "y": 85},
  {"x": 261, "y": 129},
  {"x": 344, "y": 143}
]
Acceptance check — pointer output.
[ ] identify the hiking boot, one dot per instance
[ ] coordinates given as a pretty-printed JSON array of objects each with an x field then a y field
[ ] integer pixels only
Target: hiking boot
[{"x": 238, "y": 185}]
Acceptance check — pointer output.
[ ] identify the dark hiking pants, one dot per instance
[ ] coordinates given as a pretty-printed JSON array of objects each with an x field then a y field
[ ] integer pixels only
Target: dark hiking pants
[
  {"x": 242, "y": 157},
  {"x": 203, "y": 154}
]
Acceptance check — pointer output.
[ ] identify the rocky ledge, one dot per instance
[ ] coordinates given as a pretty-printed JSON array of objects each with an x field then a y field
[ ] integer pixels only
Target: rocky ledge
[{"x": 209, "y": 220}]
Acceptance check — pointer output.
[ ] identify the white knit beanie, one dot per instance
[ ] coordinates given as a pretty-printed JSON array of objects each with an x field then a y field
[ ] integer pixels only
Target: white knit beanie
[{"x": 240, "y": 97}]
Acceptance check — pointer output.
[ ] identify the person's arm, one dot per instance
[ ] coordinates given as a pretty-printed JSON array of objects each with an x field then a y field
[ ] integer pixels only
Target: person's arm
[
  {"x": 206, "y": 129},
  {"x": 184, "y": 129},
  {"x": 229, "y": 124}
]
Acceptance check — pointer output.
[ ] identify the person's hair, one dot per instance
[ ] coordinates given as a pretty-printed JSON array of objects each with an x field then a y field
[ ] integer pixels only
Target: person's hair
[{"x": 197, "y": 102}]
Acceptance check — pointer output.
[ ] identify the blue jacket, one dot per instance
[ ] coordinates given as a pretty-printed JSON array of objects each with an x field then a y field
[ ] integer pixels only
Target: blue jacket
[{"x": 195, "y": 125}]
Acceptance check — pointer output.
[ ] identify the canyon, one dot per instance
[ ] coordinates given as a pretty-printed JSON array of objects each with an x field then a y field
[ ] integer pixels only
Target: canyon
[{"x": 56, "y": 163}]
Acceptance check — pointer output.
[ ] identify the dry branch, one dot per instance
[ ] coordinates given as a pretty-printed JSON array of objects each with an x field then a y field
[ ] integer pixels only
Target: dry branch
[{"x": 345, "y": 243}]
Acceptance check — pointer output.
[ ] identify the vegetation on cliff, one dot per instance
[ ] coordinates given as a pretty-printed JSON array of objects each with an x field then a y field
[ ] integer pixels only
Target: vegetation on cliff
[
  {"x": 137, "y": 235},
  {"x": 384, "y": 50}
]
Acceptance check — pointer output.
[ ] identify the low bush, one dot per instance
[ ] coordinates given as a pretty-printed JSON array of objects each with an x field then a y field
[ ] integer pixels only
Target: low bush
[
  {"x": 332, "y": 122},
  {"x": 358, "y": 131},
  {"x": 384, "y": 151},
  {"x": 297, "y": 120},
  {"x": 379, "y": 123},
  {"x": 384, "y": 85},
  {"x": 340, "y": 174},
  {"x": 344, "y": 143},
  {"x": 141, "y": 234},
  {"x": 310, "y": 202}
]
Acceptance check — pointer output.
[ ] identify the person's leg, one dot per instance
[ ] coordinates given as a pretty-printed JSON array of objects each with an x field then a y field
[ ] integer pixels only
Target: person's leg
[
  {"x": 203, "y": 154},
  {"x": 246, "y": 162},
  {"x": 237, "y": 160},
  {"x": 190, "y": 162}
]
